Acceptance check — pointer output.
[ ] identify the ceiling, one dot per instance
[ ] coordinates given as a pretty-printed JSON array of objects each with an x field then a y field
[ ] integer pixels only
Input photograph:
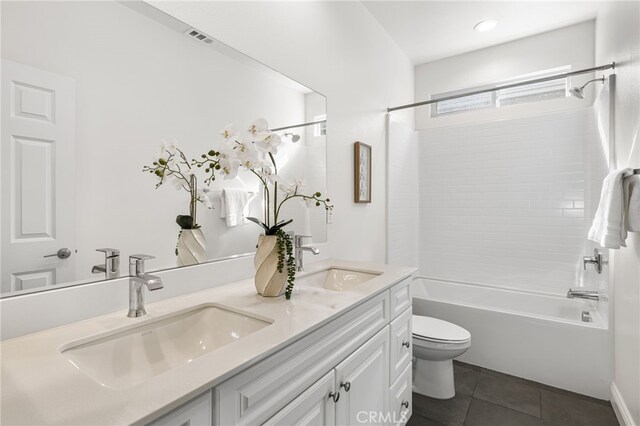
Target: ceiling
[{"x": 430, "y": 30}]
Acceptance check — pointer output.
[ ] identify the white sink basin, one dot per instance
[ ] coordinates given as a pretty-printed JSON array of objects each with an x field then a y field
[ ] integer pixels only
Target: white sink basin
[
  {"x": 122, "y": 359},
  {"x": 336, "y": 279}
]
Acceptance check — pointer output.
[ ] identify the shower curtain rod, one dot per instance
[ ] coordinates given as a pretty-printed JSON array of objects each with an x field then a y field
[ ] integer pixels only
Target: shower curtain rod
[
  {"x": 612, "y": 65},
  {"x": 298, "y": 125}
]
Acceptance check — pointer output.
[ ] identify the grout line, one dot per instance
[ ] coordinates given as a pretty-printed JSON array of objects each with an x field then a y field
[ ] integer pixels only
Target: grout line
[{"x": 466, "y": 414}]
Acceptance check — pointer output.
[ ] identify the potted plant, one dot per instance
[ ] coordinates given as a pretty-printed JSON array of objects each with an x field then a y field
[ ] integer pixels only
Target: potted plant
[
  {"x": 254, "y": 150},
  {"x": 172, "y": 166}
]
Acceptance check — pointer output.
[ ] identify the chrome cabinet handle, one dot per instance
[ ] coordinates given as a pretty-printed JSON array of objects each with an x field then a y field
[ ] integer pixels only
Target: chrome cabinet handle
[
  {"x": 406, "y": 344},
  {"x": 405, "y": 404},
  {"x": 346, "y": 386},
  {"x": 63, "y": 253},
  {"x": 335, "y": 396}
]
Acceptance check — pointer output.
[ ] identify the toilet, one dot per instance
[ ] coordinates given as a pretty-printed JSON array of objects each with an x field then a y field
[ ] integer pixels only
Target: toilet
[{"x": 435, "y": 344}]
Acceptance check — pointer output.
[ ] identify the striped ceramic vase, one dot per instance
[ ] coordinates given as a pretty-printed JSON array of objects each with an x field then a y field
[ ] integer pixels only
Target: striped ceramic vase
[
  {"x": 192, "y": 247},
  {"x": 269, "y": 282}
]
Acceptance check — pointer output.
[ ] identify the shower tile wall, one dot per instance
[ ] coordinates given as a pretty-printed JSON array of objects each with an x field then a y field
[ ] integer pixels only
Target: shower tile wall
[
  {"x": 503, "y": 203},
  {"x": 402, "y": 241}
]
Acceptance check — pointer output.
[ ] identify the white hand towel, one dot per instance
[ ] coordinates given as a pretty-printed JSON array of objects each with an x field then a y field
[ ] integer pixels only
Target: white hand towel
[
  {"x": 234, "y": 206},
  {"x": 609, "y": 225},
  {"x": 632, "y": 194}
]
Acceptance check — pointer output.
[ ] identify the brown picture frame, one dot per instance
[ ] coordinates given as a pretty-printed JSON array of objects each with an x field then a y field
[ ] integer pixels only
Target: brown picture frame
[{"x": 362, "y": 173}]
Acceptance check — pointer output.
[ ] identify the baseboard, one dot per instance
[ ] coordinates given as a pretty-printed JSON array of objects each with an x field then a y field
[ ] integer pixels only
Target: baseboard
[{"x": 620, "y": 408}]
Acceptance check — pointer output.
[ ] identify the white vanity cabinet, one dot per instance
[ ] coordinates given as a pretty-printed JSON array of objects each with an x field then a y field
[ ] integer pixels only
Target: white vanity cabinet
[{"x": 353, "y": 370}]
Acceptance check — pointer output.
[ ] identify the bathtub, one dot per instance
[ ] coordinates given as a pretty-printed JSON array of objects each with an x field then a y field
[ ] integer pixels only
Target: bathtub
[{"x": 535, "y": 336}]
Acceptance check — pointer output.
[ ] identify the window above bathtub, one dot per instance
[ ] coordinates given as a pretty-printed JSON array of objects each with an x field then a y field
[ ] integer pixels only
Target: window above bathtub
[{"x": 546, "y": 90}]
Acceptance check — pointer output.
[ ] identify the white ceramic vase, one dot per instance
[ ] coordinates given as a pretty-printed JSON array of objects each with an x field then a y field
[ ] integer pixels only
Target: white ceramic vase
[
  {"x": 269, "y": 282},
  {"x": 192, "y": 247}
]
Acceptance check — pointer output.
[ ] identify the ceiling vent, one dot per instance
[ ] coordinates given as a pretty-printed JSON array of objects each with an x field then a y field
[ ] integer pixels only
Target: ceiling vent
[{"x": 199, "y": 36}]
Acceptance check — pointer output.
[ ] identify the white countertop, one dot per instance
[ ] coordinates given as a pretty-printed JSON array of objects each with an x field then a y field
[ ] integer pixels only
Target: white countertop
[{"x": 40, "y": 386}]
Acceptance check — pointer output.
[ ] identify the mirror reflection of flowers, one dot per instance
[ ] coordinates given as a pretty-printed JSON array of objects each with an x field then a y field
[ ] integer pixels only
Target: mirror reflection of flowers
[
  {"x": 172, "y": 167},
  {"x": 254, "y": 149}
]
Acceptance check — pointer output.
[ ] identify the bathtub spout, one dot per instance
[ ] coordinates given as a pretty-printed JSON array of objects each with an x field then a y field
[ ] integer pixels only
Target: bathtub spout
[{"x": 583, "y": 294}]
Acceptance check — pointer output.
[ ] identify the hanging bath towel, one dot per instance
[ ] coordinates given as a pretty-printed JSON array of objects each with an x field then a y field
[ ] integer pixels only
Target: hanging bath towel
[
  {"x": 235, "y": 206},
  {"x": 609, "y": 225}
]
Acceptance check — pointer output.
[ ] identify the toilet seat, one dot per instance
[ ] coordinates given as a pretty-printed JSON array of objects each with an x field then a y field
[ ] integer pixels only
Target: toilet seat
[{"x": 438, "y": 331}]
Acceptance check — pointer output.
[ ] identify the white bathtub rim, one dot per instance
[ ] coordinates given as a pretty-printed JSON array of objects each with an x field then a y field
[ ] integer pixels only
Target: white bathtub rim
[
  {"x": 600, "y": 325},
  {"x": 501, "y": 288}
]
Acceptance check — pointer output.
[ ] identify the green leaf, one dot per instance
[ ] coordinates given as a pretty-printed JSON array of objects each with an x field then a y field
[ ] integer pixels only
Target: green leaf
[
  {"x": 275, "y": 228},
  {"x": 258, "y": 222}
]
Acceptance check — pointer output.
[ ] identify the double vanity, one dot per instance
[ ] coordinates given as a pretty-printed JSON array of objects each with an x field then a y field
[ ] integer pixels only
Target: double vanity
[{"x": 338, "y": 352}]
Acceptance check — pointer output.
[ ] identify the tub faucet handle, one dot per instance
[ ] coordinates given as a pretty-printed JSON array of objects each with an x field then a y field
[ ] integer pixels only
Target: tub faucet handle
[{"x": 597, "y": 260}]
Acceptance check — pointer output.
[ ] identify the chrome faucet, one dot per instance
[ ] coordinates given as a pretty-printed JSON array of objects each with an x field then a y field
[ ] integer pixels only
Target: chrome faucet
[
  {"x": 137, "y": 281},
  {"x": 584, "y": 294},
  {"x": 597, "y": 260},
  {"x": 299, "y": 249},
  {"x": 111, "y": 266}
]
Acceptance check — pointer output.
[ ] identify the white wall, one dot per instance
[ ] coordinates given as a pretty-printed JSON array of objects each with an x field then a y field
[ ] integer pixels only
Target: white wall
[
  {"x": 338, "y": 49},
  {"x": 618, "y": 39},
  {"x": 503, "y": 202},
  {"x": 567, "y": 46}
]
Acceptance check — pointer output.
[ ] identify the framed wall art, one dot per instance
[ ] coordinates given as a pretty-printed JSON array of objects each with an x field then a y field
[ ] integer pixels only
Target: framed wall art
[{"x": 362, "y": 169}]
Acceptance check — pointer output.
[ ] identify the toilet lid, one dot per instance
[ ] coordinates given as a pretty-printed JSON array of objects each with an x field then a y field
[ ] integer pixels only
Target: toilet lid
[{"x": 435, "y": 329}]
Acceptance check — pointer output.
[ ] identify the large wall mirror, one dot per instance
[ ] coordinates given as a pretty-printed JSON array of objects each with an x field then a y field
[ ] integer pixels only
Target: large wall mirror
[{"x": 90, "y": 91}]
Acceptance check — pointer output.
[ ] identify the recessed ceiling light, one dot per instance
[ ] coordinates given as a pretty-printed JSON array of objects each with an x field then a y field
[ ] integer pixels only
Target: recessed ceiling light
[{"x": 487, "y": 25}]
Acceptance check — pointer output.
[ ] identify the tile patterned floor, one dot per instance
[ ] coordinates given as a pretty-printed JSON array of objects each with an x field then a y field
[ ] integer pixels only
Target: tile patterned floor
[{"x": 488, "y": 398}]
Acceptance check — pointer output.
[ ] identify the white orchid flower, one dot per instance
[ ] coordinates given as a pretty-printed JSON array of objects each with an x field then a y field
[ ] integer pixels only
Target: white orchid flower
[
  {"x": 229, "y": 167},
  {"x": 269, "y": 144},
  {"x": 259, "y": 126},
  {"x": 177, "y": 183},
  {"x": 309, "y": 202},
  {"x": 229, "y": 132},
  {"x": 203, "y": 197},
  {"x": 168, "y": 148},
  {"x": 248, "y": 155},
  {"x": 273, "y": 179},
  {"x": 292, "y": 186}
]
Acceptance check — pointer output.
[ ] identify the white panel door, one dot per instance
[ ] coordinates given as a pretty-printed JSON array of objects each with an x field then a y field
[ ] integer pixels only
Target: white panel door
[
  {"x": 38, "y": 177},
  {"x": 314, "y": 407},
  {"x": 362, "y": 381}
]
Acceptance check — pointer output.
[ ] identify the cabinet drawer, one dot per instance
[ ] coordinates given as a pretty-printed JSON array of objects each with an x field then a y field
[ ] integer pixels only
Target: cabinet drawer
[
  {"x": 196, "y": 412},
  {"x": 401, "y": 344},
  {"x": 259, "y": 392},
  {"x": 400, "y": 402},
  {"x": 400, "y": 297}
]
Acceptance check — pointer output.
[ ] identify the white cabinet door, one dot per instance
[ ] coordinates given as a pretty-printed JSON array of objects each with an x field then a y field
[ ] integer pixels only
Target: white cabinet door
[
  {"x": 197, "y": 412},
  {"x": 362, "y": 383},
  {"x": 401, "y": 343},
  {"x": 38, "y": 177},
  {"x": 400, "y": 398},
  {"x": 314, "y": 407}
]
